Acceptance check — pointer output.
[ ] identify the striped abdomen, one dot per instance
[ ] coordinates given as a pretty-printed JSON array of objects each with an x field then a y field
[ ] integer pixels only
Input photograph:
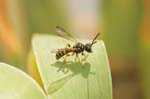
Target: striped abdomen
[{"x": 61, "y": 53}]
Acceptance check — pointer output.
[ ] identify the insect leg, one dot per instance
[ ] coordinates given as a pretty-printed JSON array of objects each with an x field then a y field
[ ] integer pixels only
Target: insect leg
[
  {"x": 67, "y": 55},
  {"x": 65, "y": 59},
  {"x": 84, "y": 57},
  {"x": 72, "y": 54},
  {"x": 77, "y": 58}
]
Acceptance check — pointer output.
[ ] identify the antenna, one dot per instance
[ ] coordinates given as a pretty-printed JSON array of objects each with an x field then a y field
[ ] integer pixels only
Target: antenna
[{"x": 95, "y": 38}]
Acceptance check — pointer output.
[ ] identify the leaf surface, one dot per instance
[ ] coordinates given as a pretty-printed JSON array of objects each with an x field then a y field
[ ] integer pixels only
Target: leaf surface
[
  {"x": 15, "y": 84},
  {"x": 73, "y": 79}
]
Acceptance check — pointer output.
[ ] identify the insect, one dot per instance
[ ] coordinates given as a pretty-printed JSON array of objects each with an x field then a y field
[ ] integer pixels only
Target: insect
[{"x": 76, "y": 49}]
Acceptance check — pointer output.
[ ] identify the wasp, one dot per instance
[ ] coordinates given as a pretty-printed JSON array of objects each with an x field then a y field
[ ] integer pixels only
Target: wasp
[{"x": 76, "y": 49}]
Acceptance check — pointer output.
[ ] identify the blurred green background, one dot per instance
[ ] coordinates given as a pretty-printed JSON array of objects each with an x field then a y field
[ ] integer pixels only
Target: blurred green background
[{"x": 124, "y": 27}]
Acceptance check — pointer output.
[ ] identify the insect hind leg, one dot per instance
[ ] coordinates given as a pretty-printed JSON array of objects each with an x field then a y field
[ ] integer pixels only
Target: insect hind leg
[
  {"x": 65, "y": 59},
  {"x": 67, "y": 55}
]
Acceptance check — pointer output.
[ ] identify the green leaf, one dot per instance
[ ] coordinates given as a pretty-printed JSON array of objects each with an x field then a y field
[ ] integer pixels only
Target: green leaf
[
  {"x": 73, "y": 79},
  {"x": 15, "y": 84}
]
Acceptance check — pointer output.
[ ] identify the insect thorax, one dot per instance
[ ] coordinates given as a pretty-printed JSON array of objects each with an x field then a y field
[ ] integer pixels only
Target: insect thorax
[{"x": 80, "y": 46}]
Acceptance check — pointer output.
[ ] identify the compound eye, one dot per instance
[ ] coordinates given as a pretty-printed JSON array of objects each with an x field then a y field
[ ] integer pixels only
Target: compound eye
[{"x": 88, "y": 47}]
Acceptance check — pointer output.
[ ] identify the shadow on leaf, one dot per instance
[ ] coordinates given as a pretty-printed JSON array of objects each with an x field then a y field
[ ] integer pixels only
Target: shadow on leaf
[{"x": 75, "y": 68}]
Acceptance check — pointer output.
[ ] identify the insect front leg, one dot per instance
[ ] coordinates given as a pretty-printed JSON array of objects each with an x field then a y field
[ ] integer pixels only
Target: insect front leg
[{"x": 84, "y": 57}]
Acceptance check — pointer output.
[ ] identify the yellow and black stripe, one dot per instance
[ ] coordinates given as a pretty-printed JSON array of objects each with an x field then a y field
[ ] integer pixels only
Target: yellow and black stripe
[
  {"x": 63, "y": 52},
  {"x": 60, "y": 54}
]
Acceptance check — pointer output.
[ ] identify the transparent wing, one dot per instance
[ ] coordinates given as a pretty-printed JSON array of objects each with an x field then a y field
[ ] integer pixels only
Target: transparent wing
[
  {"x": 64, "y": 49},
  {"x": 61, "y": 32}
]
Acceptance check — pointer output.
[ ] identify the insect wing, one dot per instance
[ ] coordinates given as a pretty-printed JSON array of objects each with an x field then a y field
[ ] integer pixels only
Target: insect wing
[
  {"x": 64, "y": 49},
  {"x": 61, "y": 32},
  {"x": 57, "y": 50}
]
